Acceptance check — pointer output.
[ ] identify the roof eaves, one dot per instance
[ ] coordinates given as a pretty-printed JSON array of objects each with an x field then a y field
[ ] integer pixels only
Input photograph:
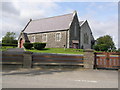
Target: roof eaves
[
  {"x": 27, "y": 25},
  {"x": 48, "y": 31}
]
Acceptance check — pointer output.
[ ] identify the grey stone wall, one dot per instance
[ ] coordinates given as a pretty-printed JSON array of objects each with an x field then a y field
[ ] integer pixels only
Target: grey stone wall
[
  {"x": 51, "y": 39},
  {"x": 86, "y": 29},
  {"x": 89, "y": 59},
  {"x": 27, "y": 60}
]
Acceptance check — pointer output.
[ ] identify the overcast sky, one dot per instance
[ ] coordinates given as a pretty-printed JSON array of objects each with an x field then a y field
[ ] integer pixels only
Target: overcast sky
[{"x": 102, "y": 16}]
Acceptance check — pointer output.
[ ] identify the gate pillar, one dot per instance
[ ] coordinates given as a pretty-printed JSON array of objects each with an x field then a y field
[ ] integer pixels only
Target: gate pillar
[
  {"x": 89, "y": 59},
  {"x": 27, "y": 61}
]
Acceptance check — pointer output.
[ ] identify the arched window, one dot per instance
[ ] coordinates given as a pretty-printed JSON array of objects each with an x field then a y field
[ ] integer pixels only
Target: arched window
[
  {"x": 86, "y": 39},
  {"x": 75, "y": 30}
]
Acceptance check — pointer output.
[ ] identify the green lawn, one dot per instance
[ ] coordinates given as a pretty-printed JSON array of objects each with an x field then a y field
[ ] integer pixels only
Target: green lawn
[
  {"x": 58, "y": 50},
  {"x": 4, "y": 48}
]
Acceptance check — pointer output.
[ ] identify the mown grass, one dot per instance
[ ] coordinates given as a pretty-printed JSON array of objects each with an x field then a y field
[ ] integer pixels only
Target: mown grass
[
  {"x": 4, "y": 48},
  {"x": 58, "y": 50}
]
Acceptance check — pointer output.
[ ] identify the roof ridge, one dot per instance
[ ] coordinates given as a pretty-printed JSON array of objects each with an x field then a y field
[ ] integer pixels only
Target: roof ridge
[{"x": 52, "y": 17}]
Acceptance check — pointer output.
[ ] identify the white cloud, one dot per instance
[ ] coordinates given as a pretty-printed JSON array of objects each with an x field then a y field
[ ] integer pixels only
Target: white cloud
[
  {"x": 9, "y": 8},
  {"x": 15, "y": 15}
]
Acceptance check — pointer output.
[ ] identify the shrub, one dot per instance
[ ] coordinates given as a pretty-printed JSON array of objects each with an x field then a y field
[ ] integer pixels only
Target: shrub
[
  {"x": 39, "y": 46},
  {"x": 28, "y": 45},
  {"x": 96, "y": 47},
  {"x": 118, "y": 50},
  {"x": 101, "y": 47},
  {"x": 8, "y": 44}
]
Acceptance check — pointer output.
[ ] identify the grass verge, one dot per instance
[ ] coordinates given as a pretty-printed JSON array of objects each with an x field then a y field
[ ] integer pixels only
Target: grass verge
[{"x": 4, "y": 48}]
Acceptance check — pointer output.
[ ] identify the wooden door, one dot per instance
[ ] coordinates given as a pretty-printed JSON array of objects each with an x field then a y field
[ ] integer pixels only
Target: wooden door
[{"x": 21, "y": 43}]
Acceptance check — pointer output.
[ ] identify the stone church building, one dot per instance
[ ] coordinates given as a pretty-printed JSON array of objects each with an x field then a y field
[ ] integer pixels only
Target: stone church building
[{"x": 58, "y": 32}]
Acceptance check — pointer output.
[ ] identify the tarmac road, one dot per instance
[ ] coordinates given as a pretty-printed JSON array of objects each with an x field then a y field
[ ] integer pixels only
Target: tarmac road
[{"x": 60, "y": 79}]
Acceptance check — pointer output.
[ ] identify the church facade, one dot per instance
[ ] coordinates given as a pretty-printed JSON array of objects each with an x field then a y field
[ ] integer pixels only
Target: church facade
[{"x": 58, "y": 32}]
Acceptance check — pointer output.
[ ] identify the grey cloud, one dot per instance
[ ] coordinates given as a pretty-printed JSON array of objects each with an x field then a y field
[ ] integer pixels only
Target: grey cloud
[{"x": 9, "y": 8}]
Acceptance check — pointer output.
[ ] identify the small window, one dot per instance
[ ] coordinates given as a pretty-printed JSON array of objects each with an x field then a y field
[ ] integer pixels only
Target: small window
[
  {"x": 33, "y": 39},
  {"x": 44, "y": 37},
  {"x": 58, "y": 36},
  {"x": 75, "y": 30},
  {"x": 86, "y": 38}
]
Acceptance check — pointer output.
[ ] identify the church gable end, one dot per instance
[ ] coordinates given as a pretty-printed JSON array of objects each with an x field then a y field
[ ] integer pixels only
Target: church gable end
[
  {"x": 74, "y": 32},
  {"x": 86, "y": 36}
]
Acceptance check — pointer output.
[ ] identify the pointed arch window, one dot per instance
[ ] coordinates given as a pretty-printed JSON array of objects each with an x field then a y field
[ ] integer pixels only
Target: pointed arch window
[
  {"x": 75, "y": 29},
  {"x": 86, "y": 39}
]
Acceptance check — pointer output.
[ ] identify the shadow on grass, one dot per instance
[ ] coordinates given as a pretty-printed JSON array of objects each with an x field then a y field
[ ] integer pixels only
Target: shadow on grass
[
  {"x": 45, "y": 49},
  {"x": 40, "y": 49}
]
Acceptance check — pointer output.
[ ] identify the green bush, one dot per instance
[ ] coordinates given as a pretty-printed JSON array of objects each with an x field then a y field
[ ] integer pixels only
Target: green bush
[
  {"x": 39, "y": 46},
  {"x": 28, "y": 45},
  {"x": 118, "y": 50},
  {"x": 8, "y": 44},
  {"x": 101, "y": 47},
  {"x": 96, "y": 47}
]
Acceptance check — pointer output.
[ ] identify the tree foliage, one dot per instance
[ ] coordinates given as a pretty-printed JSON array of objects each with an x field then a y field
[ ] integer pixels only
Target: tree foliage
[
  {"x": 118, "y": 50},
  {"x": 9, "y": 38},
  {"x": 104, "y": 43}
]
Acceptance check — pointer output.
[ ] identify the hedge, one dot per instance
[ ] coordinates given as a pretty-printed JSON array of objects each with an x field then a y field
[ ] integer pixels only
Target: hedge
[
  {"x": 28, "y": 45},
  {"x": 8, "y": 44},
  {"x": 39, "y": 46}
]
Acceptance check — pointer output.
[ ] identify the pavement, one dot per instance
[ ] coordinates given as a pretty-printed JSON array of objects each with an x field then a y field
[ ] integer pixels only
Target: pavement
[{"x": 59, "y": 78}]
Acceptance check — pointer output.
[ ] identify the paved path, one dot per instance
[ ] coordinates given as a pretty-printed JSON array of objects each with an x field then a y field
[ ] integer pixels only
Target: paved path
[{"x": 60, "y": 79}]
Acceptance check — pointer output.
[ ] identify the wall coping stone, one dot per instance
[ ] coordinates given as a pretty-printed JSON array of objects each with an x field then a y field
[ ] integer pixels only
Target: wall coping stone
[
  {"x": 88, "y": 50},
  {"x": 35, "y": 53},
  {"x": 28, "y": 52}
]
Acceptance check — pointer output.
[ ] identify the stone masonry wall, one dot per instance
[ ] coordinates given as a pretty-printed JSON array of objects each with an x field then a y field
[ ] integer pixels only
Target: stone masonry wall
[
  {"x": 89, "y": 59},
  {"x": 51, "y": 39},
  {"x": 85, "y": 29}
]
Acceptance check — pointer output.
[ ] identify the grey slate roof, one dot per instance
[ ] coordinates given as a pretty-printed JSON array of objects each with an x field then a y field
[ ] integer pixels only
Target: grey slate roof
[
  {"x": 81, "y": 22},
  {"x": 50, "y": 24}
]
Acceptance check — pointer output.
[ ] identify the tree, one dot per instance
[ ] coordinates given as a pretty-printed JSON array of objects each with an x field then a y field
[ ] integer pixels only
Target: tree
[
  {"x": 104, "y": 43},
  {"x": 9, "y": 38},
  {"x": 118, "y": 50}
]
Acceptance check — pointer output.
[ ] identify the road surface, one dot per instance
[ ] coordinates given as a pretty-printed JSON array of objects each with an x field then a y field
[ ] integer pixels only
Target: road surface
[{"x": 60, "y": 79}]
